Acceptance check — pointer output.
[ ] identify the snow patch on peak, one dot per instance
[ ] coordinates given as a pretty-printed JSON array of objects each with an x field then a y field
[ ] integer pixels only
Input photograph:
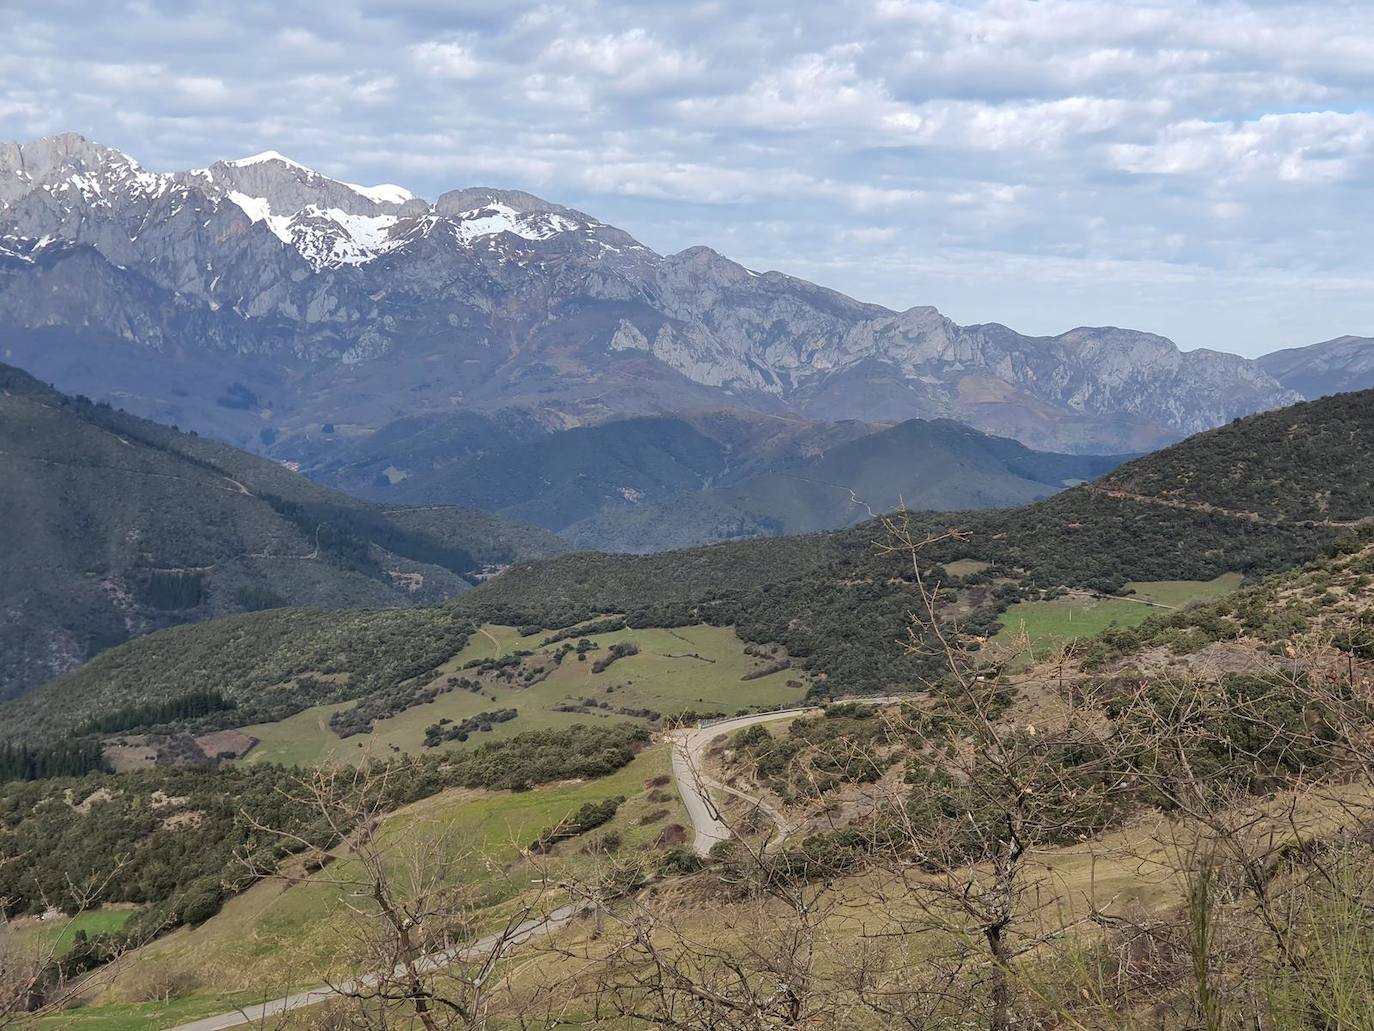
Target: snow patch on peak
[
  {"x": 325, "y": 237},
  {"x": 329, "y": 237},
  {"x": 266, "y": 155},
  {"x": 256, "y": 208},
  {"x": 385, "y": 193},
  {"x": 501, "y": 218}
]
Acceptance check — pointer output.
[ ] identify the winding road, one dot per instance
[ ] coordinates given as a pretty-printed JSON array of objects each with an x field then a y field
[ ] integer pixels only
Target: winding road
[
  {"x": 689, "y": 760},
  {"x": 689, "y": 752},
  {"x": 689, "y": 763}
]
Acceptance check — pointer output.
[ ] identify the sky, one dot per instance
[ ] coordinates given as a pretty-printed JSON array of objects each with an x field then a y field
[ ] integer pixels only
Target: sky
[{"x": 1198, "y": 169}]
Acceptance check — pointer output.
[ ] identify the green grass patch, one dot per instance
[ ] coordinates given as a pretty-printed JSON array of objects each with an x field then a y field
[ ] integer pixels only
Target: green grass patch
[
  {"x": 966, "y": 567},
  {"x": 57, "y": 935},
  {"x": 1050, "y": 624},
  {"x": 146, "y": 1016},
  {"x": 1178, "y": 593},
  {"x": 698, "y": 668}
]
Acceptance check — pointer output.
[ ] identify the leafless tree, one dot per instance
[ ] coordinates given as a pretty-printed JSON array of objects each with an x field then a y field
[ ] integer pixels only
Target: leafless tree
[
  {"x": 36, "y": 979},
  {"x": 420, "y": 946}
]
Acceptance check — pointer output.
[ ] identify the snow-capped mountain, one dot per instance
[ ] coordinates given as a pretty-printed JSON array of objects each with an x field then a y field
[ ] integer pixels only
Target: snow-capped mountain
[
  {"x": 78, "y": 185},
  {"x": 259, "y": 299}
]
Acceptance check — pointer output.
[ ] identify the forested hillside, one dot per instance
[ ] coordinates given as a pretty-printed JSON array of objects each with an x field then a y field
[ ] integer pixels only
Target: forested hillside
[
  {"x": 116, "y": 526},
  {"x": 1180, "y": 514},
  {"x": 1310, "y": 461},
  {"x": 651, "y": 484},
  {"x": 841, "y": 601},
  {"x": 837, "y": 602}
]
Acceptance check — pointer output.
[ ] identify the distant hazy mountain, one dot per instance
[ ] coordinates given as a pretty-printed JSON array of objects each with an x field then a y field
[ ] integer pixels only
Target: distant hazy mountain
[
  {"x": 941, "y": 466},
  {"x": 261, "y": 301},
  {"x": 508, "y": 464},
  {"x": 1331, "y": 367},
  {"x": 114, "y": 526},
  {"x": 655, "y": 482}
]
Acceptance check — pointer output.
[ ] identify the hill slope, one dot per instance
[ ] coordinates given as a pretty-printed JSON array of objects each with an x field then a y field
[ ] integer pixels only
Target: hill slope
[
  {"x": 651, "y": 483},
  {"x": 118, "y": 526},
  {"x": 837, "y": 601},
  {"x": 928, "y": 465},
  {"x": 1309, "y": 461}
]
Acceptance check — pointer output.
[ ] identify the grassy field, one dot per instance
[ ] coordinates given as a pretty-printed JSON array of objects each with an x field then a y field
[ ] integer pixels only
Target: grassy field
[
  {"x": 277, "y": 939},
  {"x": 1049, "y": 624},
  {"x": 274, "y": 939},
  {"x": 691, "y": 668},
  {"x": 1178, "y": 593},
  {"x": 56, "y": 935}
]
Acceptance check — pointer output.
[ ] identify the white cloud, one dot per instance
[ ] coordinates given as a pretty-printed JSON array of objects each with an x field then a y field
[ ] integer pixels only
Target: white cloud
[
  {"x": 450, "y": 60},
  {"x": 628, "y": 61},
  {"x": 815, "y": 90},
  {"x": 1311, "y": 147}
]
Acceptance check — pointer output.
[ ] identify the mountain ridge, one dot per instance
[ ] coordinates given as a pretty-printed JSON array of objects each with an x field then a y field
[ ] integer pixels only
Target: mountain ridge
[
  {"x": 647, "y": 483},
  {"x": 1342, "y": 364},
  {"x": 347, "y": 304}
]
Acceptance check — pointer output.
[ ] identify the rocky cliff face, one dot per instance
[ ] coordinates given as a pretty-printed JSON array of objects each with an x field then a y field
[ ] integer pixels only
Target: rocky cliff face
[{"x": 257, "y": 299}]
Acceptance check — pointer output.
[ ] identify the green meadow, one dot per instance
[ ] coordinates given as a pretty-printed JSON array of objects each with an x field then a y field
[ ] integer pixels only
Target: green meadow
[
  {"x": 1049, "y": 624},
  {"x": 695, "y": 668}
]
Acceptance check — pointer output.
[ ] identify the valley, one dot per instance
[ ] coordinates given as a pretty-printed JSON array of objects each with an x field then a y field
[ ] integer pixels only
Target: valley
[
  {"x": 652, "y": 484},
  {"x": 285, "y": 936},
  {"x": 128, "y": 526}
]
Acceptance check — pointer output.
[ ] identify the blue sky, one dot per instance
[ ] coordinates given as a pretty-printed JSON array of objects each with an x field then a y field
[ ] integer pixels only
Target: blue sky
[{"x": 1199, "y": 169}]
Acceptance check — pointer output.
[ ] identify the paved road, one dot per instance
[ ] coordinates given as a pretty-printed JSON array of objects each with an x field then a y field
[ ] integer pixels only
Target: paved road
[
  {"x": 689, "y": 749},
  {"x": 689, "y": 761},
  {"x": 261, "y": 1012}
]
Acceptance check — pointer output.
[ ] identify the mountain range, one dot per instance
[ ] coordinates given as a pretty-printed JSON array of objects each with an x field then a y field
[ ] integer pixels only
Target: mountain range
[
  {"x": 538, "y": 531},
  {"x": 116, "y": 526},
  {"x": 259, "y": 301},
  {"x": 649, "y": 483}
]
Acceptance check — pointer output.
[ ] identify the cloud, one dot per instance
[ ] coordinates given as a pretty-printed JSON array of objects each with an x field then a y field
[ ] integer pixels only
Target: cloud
[
  {"x": 816, "y": 90},
  {"x": 1160, "y": 163},
  {"x": 630, "y": 61},
  {"x": 1311, "y": 147},
  {"x": 450, "y": 60}
]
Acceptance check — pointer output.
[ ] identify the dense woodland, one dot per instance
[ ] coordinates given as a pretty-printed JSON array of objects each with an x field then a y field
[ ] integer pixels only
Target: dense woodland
[
  {"x": 269, "y": 664},
  {"x": 839, "y": 600},
  {"x": 1308, "y": 461}
]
